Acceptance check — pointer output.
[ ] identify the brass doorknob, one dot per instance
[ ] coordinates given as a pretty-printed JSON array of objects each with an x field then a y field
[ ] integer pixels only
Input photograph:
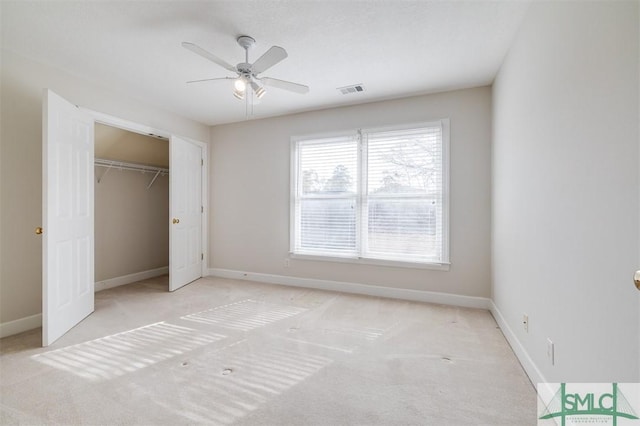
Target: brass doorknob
[
  {"x": 38, "y": 230},
  {"x": 636, "y": 279},
  {"x": 176, "y": 220}
]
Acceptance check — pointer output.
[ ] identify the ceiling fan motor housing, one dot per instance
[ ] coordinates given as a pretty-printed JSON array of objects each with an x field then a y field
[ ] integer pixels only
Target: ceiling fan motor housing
[
  {"x": 244, "y": 68},
  {"x": 246, "y": 42}
]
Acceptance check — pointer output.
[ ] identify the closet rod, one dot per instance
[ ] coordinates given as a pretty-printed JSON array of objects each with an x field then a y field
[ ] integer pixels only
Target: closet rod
[
  {"x": 129, "y": 166},
  {"x": 122, "y": 165}
]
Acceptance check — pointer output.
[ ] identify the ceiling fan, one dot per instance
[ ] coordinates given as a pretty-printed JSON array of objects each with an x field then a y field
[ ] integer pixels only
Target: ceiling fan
[{"x": 247, "y": 73}]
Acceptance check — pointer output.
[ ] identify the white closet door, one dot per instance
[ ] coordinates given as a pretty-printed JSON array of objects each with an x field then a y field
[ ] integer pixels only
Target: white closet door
[
  {"x": 185, "y": 199},
  {"x": 67, "y": 199}
]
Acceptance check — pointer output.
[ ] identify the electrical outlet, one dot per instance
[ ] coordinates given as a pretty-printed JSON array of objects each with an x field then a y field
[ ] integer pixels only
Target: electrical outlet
[
  {"x": 550, "y": 351},
  {"x": 286, "y": 262},
  {"x": 525, "y": 322}
]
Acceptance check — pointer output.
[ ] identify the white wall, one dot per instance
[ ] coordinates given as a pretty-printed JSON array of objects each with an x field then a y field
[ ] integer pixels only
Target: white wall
[
  {"x": 22, "y": 83},
  {"x": 249, "y": 192},
  {"x": 565, "y": 191}
]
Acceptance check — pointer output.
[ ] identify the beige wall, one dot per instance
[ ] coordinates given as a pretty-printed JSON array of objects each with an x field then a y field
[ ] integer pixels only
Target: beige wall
[
  {"x": 249, "y": 192},
  {"x": 565, "y": 193},
  {"x": 22, "y": 82},
  {"x": 131, "y": 223},
  {"x": 112, "y": 143}
]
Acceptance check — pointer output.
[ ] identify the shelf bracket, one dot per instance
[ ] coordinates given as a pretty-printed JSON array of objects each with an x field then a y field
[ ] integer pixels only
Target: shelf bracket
[
  {"x": 105, "y": 173},
  {"x": 154, "y": 178}
]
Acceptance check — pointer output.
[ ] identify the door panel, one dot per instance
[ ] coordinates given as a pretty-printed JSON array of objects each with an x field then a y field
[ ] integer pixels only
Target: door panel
[
  {"x": 67, "y": 199},
  {"x": 185, "y": 199}
]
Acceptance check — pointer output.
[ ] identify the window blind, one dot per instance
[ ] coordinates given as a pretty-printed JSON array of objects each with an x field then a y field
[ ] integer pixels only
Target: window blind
[
  {"x": 375, "y": 194},
  {"x": 403, "y": 199},
  {"x": 326, "y": 201}
]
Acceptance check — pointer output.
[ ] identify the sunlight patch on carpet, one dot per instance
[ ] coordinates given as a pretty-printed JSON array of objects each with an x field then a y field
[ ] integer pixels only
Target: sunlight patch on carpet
[
  {"x": 126, "y": 352},
  {"x": 244, "y": 315},
  {"x": 245, "y": 382}
]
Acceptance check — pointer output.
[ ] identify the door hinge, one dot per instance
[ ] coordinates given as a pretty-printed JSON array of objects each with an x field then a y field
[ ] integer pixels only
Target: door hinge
[
  {"x": 201, "y": 209},
  {"x": 202, "y": 161},
  {"x": 201, "y": 256}
]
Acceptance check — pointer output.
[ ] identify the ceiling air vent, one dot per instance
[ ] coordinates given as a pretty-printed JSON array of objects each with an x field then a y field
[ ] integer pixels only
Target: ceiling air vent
[{"x": 354, "y": 88}]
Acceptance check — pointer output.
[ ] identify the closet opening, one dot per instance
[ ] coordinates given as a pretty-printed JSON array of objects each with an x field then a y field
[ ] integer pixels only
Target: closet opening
[{"x": 131, "y": 207}]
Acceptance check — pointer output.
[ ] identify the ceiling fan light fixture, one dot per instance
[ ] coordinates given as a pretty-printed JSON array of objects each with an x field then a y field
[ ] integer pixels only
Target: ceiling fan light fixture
[
  {"x": 238, "y": 94},
  {"x": 258, "y": 90},
  {"x": 240, "y": 85}
]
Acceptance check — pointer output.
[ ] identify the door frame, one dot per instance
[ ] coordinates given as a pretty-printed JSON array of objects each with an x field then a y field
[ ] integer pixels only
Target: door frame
[{"x": 109, "y": 120}]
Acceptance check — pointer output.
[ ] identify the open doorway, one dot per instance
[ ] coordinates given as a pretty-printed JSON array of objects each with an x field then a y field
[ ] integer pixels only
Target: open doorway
[{"x": 131, "y": 206}]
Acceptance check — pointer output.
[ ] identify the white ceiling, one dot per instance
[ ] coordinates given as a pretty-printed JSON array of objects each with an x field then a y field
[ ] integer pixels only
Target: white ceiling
[{"x": 394, "y": 48}]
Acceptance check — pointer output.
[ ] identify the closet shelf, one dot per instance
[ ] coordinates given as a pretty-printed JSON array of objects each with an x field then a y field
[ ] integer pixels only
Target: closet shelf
[{"x": 121, "y": 165}]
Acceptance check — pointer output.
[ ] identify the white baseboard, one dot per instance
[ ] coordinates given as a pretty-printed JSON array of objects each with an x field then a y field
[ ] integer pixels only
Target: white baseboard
[
  {"x": 369, "y": 290},
  {"x": 131, "y": 278},
  {"x": 530, "y": 367},
  {"x": 20, "y": 325}
]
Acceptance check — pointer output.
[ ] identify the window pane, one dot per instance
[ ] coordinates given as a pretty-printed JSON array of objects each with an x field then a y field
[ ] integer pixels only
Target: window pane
[
  {"x": 328, "y": 226},
  {"x": 405, "y": 161},
  {"x": 382, "y": 199},
  {"x": 404, "y": 229},
  {"x": 329, "y": 167}
]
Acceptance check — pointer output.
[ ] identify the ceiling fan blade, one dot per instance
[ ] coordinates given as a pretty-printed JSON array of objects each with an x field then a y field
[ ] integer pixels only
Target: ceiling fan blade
[
  {"x": 269, "y": 59},
  {"x": 286, "y": 85},
  {"x": 210, "y": 79},
  {"x": 210, "y": 56}
]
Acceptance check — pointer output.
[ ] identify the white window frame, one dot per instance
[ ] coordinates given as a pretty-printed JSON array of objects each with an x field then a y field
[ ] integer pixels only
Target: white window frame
[{"x": 444, "y": 264}]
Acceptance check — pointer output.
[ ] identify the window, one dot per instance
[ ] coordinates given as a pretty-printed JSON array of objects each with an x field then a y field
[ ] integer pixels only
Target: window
[{"x": 372, "y": 194}]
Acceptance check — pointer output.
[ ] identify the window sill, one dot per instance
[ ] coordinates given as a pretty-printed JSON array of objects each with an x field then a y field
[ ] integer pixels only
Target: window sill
[{"x": 370, "y": 261}]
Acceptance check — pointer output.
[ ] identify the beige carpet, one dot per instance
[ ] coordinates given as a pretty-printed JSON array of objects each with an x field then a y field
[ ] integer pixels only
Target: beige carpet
[{"x": 224, "y": 352}]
